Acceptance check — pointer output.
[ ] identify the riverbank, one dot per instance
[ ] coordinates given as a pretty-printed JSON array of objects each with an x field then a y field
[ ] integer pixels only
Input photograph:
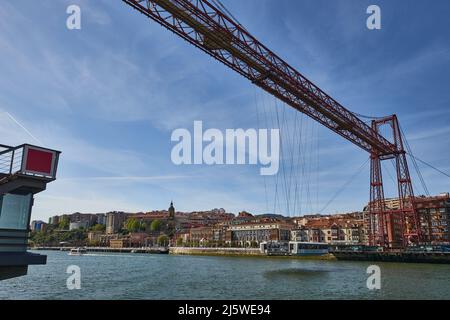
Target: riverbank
[
  {"x": 215, "y": 251},
  {"x": 149, "y": 250},
  {"x": 399, "y": 257},
  {"x": 194, "y": 251},
  {"x": 402, "y": 257},
  {"x": 240, "y": 252}
]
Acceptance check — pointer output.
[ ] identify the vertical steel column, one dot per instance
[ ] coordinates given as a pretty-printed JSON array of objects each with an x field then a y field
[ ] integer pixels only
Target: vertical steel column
[
  {"x": 377, "y": 228},
  {"x": 392, "y": 227},
  {"x": 409, "y": 216}
]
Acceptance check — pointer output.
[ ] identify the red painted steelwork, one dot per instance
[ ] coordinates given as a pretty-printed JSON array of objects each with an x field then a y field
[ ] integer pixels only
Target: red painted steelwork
[{"x": 208, "y": 28}]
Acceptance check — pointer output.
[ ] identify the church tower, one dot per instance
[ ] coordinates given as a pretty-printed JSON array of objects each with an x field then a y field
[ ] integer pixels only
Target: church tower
[{"x": 171, "y": 211}]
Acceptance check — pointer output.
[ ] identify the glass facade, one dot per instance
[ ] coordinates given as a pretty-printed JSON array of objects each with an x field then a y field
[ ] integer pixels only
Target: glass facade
[{"x": 14, "y": 211}]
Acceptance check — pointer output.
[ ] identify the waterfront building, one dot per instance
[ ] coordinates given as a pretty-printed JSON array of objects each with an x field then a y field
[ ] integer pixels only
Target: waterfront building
[
  {"x": 78, "y": 225},
  {"x": 246, "y": 233},
  {"x": 307, "y": 234},
  {"x": 101, "y": 218},
  {"x": 53, "y": 220},
  {"x": 88, "y": 219},
  {"x": 202, "y": 234},
  {"x": 95, "y": 237},
  {"x": 114, "y": 221},
  {"x": 132, "y": 240},
  {"x": 219, "y": 233},
  {"x": 106, "y": 238},
  {"x": 118, "y": 243},
  {"x": 184, "y": 236},
  {"x": 434, "y": 215},
  {"x": 332, "y": 231},
  {"x": 38, "y": 225}
]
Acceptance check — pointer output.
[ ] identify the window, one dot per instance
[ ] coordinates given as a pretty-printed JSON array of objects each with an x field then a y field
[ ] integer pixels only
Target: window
[{"x": 14, "y": 211}]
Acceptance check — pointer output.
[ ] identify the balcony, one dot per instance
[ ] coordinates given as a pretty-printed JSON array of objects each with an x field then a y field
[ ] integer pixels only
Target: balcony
[
  {"x": 24, "y": 171},
  {"x": 27, "y": 168}
]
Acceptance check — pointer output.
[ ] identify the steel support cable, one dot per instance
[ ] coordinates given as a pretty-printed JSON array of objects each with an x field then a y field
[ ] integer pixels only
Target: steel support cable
[
  {"x": 298, "y": 151},
  {"x": 296, "y": 159},
  {"x": 292, "y": 138},
  {"x": 269, "y": 121},
  {"x": 310, "y": 166},
  {"x": 282, "y": 148},
  {"x": 317, "y": 168},
  {"x": 416, "y": 167},
  {"x": 286, "y": 157},
  {"x": 299, "y": 164},
  {"x": 281, "y": 154},
  {"x": 287, "y": 177},
  {"x": 258, "y": 123},
  {"x": 345, "y": 185},
  {"x": 277, "y": 175},
  {"x": 267, "y": 117},
  {"x": 308, "y": 169},
  {"x": 388, "y": 172},
  {"x": 291, "y": 159},
  {"x": 431, "y": 166},
  {"x": 366, "y": 117},
  {"x": 305, "y": 151},
  {"x": 222, "y": 6}
]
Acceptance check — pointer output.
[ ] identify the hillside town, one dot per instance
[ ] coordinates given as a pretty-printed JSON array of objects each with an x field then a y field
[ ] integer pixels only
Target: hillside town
[{"x": 218, "y": 228}]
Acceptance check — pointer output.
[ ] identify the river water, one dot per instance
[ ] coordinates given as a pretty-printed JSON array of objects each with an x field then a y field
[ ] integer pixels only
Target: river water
[{"x": 140, "y": 276}]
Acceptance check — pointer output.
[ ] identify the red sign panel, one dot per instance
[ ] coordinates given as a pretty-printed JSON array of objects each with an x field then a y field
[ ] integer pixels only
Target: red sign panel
[{"x": 39, "y": 161}]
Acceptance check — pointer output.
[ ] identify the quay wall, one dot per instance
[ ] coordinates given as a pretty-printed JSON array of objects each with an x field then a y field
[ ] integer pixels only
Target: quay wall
[
  {"x": 215, "y": 251},
  {"x": 405, "y": 257},
  {"x": 108, "y": 249}
]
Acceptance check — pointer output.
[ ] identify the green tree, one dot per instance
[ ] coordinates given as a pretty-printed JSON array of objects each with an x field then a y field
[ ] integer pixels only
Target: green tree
[
  {"x": 179, "y": 242},
  {"x": 64, "y": 223},
  {"x": 98, "y": 227},
  {"x": 156, "y": 225},
  {"x": 163, "y": 240},
  {"x": 132, "y": 225}
]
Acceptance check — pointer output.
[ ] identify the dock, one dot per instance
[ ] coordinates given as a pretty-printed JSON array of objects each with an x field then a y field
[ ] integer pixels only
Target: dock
[
  {"x": 391, "y": 256},
  {"x": 147, "y": 250}
]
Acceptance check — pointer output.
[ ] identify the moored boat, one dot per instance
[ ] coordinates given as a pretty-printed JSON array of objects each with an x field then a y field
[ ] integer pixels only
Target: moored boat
[{"x": 77, "y": 251}]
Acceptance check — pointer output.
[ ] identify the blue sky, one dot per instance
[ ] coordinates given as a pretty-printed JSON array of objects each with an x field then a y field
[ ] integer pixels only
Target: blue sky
[{"x": 109, "y": 96}]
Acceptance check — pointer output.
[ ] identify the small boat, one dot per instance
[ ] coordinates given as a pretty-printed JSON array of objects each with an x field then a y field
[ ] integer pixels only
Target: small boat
[{"x": 77, "y": 252}]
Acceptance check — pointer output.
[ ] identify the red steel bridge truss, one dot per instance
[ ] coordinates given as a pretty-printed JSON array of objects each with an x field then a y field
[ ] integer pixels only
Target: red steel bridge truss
[{"x": 210, "y": 29}]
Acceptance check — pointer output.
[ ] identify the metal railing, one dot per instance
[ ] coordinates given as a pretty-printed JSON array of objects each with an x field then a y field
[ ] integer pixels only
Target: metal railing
[{"x": 13, "y": 161}]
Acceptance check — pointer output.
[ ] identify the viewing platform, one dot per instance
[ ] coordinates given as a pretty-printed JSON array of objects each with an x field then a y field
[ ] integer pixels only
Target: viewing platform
[{"x": 24, "y": 171}]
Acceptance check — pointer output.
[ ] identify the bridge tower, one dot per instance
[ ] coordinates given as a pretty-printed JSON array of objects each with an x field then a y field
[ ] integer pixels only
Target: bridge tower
[{"x": 392, "y": 227}]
